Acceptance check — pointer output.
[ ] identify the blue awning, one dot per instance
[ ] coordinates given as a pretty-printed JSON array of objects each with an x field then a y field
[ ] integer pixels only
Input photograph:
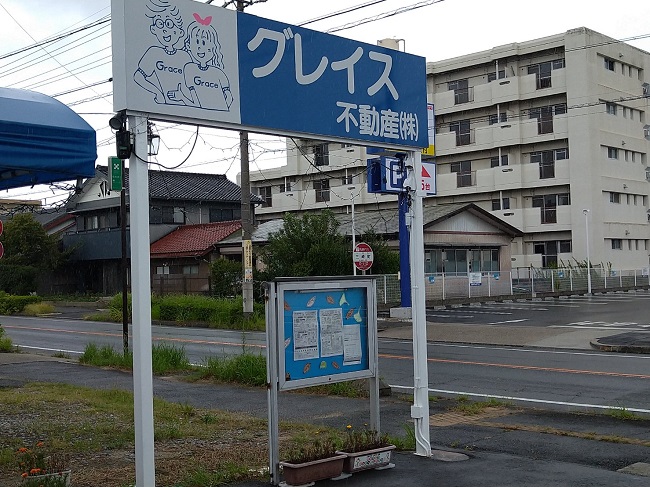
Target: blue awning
[{"x": 42, "y": 141}]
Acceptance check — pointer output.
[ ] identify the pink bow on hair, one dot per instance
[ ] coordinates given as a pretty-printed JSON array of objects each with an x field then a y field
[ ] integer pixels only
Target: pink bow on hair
[{"x": 205, "y": 21}]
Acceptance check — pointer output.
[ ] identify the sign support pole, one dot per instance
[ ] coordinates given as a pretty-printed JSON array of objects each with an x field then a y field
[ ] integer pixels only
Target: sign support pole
[
  {"x": 272, "y": 366},
  {"x": 145, "y": 473},
  {"x": 420, "y": 408}
]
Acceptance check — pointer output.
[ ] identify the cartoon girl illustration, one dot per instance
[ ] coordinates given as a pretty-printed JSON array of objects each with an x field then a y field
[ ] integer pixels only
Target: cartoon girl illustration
[
  {"x": 206, "y": 84},
  {"x": 161, "y": 67}
]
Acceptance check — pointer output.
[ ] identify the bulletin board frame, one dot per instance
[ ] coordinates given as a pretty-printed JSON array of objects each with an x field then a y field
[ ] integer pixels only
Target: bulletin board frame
[{"x": 326, "y": 331}]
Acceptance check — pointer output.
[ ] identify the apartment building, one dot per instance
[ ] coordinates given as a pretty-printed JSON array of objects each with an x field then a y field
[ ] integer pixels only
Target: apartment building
[{"x": 549, "y": 135}]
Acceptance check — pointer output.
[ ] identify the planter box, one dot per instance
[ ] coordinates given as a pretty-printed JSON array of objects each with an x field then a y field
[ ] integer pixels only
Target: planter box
[
  {"x": 365, "y": 460},
  {"x": 43, "y": 479},
  {"x": 309, "y": 472}
]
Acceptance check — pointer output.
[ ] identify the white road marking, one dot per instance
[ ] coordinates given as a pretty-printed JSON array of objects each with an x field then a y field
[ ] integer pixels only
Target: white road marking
[
  {"x": 59, "y": 350},
  {"x": 509, "y": 321},
  {"x": 525, "y": 399}
]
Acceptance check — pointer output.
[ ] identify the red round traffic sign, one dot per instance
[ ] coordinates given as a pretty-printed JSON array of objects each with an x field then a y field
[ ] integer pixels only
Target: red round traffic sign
[{"x": 363, "y": 256}]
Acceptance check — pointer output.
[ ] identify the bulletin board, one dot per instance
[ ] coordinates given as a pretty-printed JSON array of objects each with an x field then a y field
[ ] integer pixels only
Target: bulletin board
[{"x": 326, "y": 331}]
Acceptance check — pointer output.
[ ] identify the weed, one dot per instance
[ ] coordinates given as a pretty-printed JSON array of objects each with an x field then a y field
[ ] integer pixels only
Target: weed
[
  {"x": 247, "y": 368},
  {"x": 472, "y": 408},
  {"x": 623, "y": 414},
  {"x": 209, "y": 418},
  {"x": 6, "y": 345},
  {"x": 35, "y": 309},
  {"x": 61, "y": 355},
  {"x": 164, "y": 358},
  {"x": 406, "y": 442}
]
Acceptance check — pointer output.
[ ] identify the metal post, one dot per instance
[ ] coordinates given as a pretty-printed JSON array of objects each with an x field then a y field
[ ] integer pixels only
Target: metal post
[
  {"x": 586, "y": 213},
  {"x": 420, "y": 408},
  {"x": 145, "y": 472},
  {"x": 571, "y": 278},
  {"x": 385, "y": 281},
  {"x": 512, "y": 290},
  {"x": 354, "y": 239},
  {"x": 125, "y": 299},
  {"x": 404, "y": 255},
  {"x": 273, "y": 384}
]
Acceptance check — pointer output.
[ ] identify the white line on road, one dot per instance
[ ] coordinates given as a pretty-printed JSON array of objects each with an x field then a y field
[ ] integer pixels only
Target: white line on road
[
  {"x": 509, "y": 321},
  {"x": 525, "y": 399},
  {"x": 59, "y": 350},
  {"x": 604, "y": 328},
  {"x": 634, "y": 356}
]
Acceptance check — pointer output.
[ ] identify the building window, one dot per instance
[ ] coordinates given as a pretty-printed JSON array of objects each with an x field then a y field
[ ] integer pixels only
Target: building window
[
  {"x": 542, "y": 72},
  {"x": 461, "y": 91},
  {"x": 190, "y": 269},
  {"x": 224, "y": 214},
  {"x": 502, "y": 204},
  {"x": 345, "y": 180},
  {"x": 609, "y": 64},
  {"x": 493, "y": 76},
  {"x": 614, "y": 197},
  {"x": 548, "y": 250},
  {"x": 322, "y": 188},
  {"x": 610, "y": 108},
  {"x": 544, "y": 116},
  {"x": 462, "y": 129},
  {"x": 168, "y": 214},
  {"x": 612, "y": 153},
  {"x": 565, "y": 246},
  {"x": 162, "y": 270},
  {"x": 548, "y": 205},
  {"x": 617, "y": 244},
  {"x": 546, "y": 161},
  {"x": 265, "y": 193},
  {"x": 91, "y": 222},
  {"x": 494, "y": 161},
  {"x": 321, "y": 155},
  {"x": 498, "y": 118},
  {"x": 463, "y": 172}
]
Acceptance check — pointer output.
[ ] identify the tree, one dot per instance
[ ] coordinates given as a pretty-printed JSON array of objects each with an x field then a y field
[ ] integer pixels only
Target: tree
[
  {"x": 226, "y": 278},
  {"x": 312, "y": 246},
  {"x": 29, "y": 251},
  {"x": 307, "y": 246}
]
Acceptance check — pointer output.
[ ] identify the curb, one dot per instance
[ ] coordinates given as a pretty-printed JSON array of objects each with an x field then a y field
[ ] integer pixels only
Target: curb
[{"x": 639, "y": 349}]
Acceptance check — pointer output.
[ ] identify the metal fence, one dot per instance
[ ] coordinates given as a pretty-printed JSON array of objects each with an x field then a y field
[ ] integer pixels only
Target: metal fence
[
  {"x": 519, "y": 283},
  {"x": 441, "y": 287}
]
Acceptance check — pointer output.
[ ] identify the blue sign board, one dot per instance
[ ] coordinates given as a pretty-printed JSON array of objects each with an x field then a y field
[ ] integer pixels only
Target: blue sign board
[
  {"x": 188, "y": 61},
  {"x": 385, "y": 175}
]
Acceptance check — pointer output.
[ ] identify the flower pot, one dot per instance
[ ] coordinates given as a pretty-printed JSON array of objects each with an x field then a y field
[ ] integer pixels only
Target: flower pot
[
  {"x": 365, "y": 460},
  {"x": 55, "y": 479},
  {"x": 308, "y": 472}
]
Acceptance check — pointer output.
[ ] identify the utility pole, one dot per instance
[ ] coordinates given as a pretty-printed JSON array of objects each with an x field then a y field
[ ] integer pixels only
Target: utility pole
[{"x": 246, "y": 214}]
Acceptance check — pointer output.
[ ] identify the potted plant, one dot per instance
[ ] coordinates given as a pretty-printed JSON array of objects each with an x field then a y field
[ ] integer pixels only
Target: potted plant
[
  {"x": 366, "y": 449},
  {"x": 313, "y": 461},
  {"x": 40, "y": 468}
]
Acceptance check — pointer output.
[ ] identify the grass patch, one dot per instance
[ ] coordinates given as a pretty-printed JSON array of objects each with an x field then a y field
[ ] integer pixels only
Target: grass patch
[
  {"x": 623, "y": 414},
  {"x": 35, "y": 309},
  {"x": 354, "y": 389},
  {"x": 95, "y": 428},
  {"x": 247, "y": 368},
  {"x": 6, "y": 345},
  {"x": 164, "y": 358},
  {"x": 465, "y": 406}
]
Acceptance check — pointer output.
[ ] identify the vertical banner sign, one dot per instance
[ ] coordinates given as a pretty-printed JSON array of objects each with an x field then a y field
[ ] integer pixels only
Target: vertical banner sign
[
  {"x": 115, "y": 173},
  {"x": 431, "y": 133},
  {"x": 248, "y": 260},
  {"x": 186, "y": 61}
]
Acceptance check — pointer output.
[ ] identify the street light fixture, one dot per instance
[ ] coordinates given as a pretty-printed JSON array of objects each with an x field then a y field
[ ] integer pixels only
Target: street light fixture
[{"x": 586, "y": 213}]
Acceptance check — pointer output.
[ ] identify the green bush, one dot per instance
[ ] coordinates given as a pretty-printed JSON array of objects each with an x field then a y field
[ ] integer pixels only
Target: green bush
[
  {"x": 18, "y": 279},
  {"x": 6, "y": 344},
  {"x": 221, "y": 313},
  {"x": 10, "y": 304},
  {"x": 164, "y": 358},
  {"x": 226, "y": 278}
]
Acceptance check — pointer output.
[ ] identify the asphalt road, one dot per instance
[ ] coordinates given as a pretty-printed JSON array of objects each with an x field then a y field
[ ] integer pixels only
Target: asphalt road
[
  {"x": 541, "y": 376},
  {"x": 625, "y": 311}
]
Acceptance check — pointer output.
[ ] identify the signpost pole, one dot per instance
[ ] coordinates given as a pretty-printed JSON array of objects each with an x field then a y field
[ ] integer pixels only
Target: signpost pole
[
  {"x": 145, "y": 472},
  {"x": 272, "y": 351},
  {"x": 420, "y": 408}
]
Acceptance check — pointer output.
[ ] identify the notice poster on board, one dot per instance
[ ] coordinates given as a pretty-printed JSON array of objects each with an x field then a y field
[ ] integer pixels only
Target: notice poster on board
[{"x": 325, "y": 334}]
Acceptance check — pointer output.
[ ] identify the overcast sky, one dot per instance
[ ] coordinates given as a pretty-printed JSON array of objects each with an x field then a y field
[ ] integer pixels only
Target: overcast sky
[{"x": 437, "y": 30}]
